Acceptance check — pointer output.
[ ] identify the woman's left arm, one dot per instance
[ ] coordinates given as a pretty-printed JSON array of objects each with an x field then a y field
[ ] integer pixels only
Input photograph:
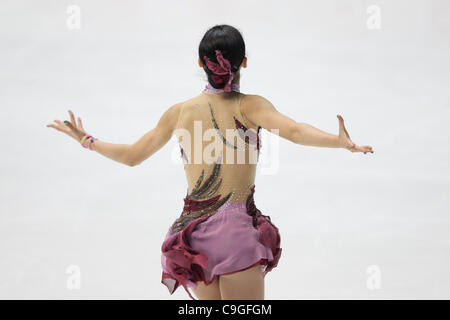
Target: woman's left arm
[{"x": 261, "y": 112}]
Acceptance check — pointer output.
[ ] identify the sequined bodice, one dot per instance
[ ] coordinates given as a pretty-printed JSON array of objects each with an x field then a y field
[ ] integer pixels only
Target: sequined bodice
[{"x": 220, "y": 153}]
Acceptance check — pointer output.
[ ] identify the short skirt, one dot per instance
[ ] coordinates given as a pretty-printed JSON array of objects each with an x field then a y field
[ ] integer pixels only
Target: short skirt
[{"x": 228, "y": 241}]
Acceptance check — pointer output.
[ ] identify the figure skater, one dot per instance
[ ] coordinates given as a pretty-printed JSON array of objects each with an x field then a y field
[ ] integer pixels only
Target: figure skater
[{"x": 221, "y": 245}]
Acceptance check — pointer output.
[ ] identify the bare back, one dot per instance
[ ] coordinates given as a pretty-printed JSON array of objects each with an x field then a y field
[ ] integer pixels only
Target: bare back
[{"x": 220, "y": 152}]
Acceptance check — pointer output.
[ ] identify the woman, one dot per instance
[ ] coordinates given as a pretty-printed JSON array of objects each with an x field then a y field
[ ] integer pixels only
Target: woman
[{"x": 221, "y": 245}]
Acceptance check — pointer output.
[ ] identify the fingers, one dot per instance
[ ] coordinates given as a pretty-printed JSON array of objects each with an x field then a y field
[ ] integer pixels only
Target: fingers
[
  {"x": 368, "y": 148},
  {"x": 62, "y": 126},
  {"x": 80, "y": 124},
  {"x": 364, "y": 149},
  {"x": 342, "y": 126},
  {"x": 68, "y": 124},
  {"x": 59, "y": 126},
  {"x": 55, "y": 127},
  {"x": 348, "y": 143},
  {"x": 72, "y": 118},
  {"x": 71, "y": 127},
  {"x": 341, "y": 122}
]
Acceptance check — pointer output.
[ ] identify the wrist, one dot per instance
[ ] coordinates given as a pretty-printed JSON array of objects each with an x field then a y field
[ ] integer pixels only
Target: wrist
[
  {"x": 91, "y": 143},
  {"x": 86, "y": 141}
]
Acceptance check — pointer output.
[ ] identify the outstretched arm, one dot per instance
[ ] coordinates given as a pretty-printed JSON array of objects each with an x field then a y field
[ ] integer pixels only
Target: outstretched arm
[
  {"x": 129, "y": 154},
  {"x": 260, "y": 112}
]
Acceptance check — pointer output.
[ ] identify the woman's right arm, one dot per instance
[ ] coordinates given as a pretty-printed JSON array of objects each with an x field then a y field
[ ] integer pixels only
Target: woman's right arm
[
  {"x": 261, "y": 112},
  {"x": 128, "y": 154}
]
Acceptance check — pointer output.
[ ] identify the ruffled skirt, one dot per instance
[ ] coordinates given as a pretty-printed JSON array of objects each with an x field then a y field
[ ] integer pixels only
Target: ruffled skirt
[{"x": 228, "y": 241}]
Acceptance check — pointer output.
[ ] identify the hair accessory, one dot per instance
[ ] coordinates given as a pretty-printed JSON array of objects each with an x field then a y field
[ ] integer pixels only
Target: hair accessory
[{"x": 221, "y": 70}]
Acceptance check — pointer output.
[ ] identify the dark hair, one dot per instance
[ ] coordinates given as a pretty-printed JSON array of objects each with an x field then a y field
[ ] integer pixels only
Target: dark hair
[{"x": 227, "y": 39}]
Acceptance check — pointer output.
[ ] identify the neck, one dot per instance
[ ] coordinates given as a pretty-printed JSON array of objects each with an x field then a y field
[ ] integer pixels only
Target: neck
[
  {"x": 235, "y": 86},
  {"x": 237, "y": 78}
]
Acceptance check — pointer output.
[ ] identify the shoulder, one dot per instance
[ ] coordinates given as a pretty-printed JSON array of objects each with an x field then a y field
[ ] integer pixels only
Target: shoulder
[
  {"x": 180, "y": 111},
  {"x": 171, "y": 115},
  {"x": 191, "y": 106},
  {"x": 172, "y": 112},
  {"x": 176, "y": 108},
  {"x": 253, "y": 104},
  {"x": 184, "y": 107}
]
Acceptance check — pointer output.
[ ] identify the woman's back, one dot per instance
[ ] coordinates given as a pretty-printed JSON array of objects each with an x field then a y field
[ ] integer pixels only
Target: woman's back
[{"x": 220, "y": 152}]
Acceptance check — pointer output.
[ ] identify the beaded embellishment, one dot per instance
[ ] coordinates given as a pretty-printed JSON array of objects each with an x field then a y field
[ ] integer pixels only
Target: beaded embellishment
[
  {"x": 251, "y": 208},
  {"x": 200, "y": 202},
  {"x": 245, "y": 134}
]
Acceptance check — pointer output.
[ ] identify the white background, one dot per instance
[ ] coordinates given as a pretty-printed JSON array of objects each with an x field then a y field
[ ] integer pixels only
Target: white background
[{"x": 338, "y": 212}]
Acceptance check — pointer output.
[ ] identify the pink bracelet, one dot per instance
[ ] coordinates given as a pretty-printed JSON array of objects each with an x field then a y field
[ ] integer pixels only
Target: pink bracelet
[
  {"x": 91, "y": 141},
  {"x": 86, "y": 137}
]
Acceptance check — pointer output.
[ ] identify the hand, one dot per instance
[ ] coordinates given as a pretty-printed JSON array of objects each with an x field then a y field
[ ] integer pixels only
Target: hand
[
  {"x": 345, "y": 142},
  {"x": 71, "y": 128}
]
